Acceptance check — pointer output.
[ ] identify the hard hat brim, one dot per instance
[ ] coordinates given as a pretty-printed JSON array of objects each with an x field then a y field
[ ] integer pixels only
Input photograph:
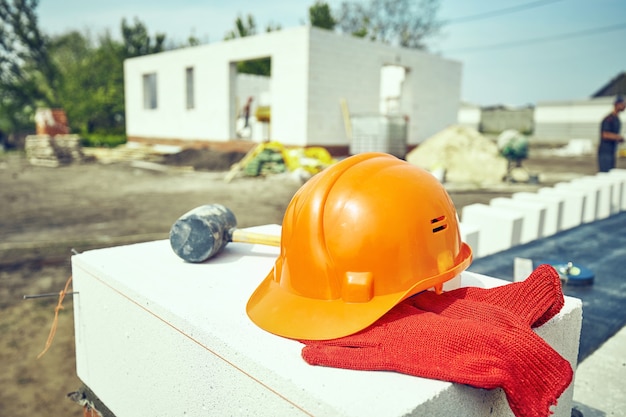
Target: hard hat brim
[{"x": 281, "y": 312}]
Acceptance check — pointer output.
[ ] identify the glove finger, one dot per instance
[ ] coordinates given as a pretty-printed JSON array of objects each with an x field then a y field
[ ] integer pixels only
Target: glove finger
[
  {"x": 535, "y": 300},
  {"x": 342, "y": 357}
]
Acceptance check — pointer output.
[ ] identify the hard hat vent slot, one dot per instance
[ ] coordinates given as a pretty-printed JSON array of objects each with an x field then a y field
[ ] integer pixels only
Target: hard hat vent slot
[{"x": 437, "y": 222}]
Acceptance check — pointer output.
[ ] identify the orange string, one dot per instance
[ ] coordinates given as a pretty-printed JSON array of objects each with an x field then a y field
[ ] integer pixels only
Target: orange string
[{"x": 55, "y": 322}]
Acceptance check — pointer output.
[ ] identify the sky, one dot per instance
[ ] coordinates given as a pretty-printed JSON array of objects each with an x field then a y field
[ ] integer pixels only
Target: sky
[{"x": 514, "y": 52}]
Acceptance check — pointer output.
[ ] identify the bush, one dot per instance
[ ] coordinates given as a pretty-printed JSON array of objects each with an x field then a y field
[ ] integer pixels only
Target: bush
[{"x": 100, "y": 140}]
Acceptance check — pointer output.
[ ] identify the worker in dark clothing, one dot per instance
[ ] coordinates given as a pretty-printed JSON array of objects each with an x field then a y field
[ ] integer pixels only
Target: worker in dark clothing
[
  {"x": 246, "y": 111},
  {"x": 610, "y": 136}
]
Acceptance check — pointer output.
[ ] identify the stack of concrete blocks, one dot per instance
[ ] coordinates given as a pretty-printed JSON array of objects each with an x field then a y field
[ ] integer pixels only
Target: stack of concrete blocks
[
  {"x": 573, "y": 204},
  {"x": 527, "y": 216},
  {"x": 53, "y": 151},
  {"x": 156, "y": 336},
  {"x": 620, "y": 173},
  {"x": 589, "y": 194},
  {"x": 603, "y": 188},
  {"x": 533, "y": 216},
  {"x": 499, "y": 229},
  {"x": 470, "y": 234}
]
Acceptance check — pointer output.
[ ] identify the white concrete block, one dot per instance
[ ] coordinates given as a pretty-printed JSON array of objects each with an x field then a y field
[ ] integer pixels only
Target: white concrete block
[
  {"x": 622, "y": 174},
  {"x": 156, "y": 336},
  {"x": 534, "y": 214},
  {"x": 499, "y": 229},
  {"x": 573, "y": 205},
  {"x": 618, "y": 186},
  {"x": 592, "y": 194},
  {"x": 605, "y": 194},
  {"x": 554, "y": 209},
  {"x": 470, "y": 234}
]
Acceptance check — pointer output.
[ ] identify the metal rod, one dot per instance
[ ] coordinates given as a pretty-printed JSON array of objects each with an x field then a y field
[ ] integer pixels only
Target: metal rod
[{"x": 50, "y": 294}]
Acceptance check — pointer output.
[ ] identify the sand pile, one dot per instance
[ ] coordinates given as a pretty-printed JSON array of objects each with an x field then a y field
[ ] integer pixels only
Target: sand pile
[{"x": 463, "y": 154}]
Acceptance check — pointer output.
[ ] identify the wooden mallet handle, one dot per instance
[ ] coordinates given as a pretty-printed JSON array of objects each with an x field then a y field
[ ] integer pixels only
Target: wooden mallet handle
[{"x": 242, "y": 236}]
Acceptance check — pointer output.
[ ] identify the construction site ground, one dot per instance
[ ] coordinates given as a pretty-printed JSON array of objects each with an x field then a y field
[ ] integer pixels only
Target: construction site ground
[{"x": 127, "y": 197}]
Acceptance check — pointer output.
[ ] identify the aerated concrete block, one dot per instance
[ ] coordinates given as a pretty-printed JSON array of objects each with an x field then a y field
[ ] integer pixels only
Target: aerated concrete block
[
  {"x": 470, "y": 234},
  {"x": 618, "y": 186},
  {"x": 605, "y": 194},
  {"x": 156, "y": 336},
  {"x": 591, "y": 193},
  {"x": 554, "y": 209},
  {"x": 534, "y": 214},
  {"x": 622, "y": 174},
  {"x": 573, "y": 205},
  {"x": 499, "y": 229}
]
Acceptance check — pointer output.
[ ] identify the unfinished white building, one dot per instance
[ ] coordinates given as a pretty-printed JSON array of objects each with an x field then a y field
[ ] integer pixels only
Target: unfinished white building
[
  {"x": 322, "y": 86},
  {"x": 562, "y": 121}
]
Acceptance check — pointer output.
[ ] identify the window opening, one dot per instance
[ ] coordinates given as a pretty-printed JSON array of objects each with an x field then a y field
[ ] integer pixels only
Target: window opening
[
  {"x": 150, "y": 91},
  {"x": 189, "y": 85}
]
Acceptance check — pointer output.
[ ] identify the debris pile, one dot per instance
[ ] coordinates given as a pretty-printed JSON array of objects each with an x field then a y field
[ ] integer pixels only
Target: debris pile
[
  {"x": 463, "y": 154},
  {"x": 53, "y": 151},
  {"x": 274, "y": 158}
]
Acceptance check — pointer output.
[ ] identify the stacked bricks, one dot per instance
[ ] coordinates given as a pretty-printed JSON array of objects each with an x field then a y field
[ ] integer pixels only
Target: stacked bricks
[{"x": 45, "y": 150}]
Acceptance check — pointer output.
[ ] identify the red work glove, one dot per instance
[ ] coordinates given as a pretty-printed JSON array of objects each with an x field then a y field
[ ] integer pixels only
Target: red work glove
[
  {"x": 533, "y": 301},
  {"x": 465, "y": 341}
]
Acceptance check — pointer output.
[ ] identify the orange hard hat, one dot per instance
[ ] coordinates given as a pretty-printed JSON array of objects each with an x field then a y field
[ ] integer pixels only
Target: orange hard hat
[{"x": 357, "y": 238}]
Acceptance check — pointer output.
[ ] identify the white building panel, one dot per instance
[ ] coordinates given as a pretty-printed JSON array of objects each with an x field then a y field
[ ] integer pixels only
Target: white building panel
[
  {"x": 313, "y": 72},
  {"x": 560, "y": 121}
]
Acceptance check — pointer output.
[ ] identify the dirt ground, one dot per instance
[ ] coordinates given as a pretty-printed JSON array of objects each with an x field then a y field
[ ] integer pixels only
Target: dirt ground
[{"x": 47, "y": 212}]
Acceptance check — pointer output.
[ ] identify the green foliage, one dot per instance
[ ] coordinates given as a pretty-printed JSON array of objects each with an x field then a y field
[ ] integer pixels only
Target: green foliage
[
  {"x": 516, "y": 148},
  {"x": 28, "y": 78},
  {"x": 242, "y": 29},
  {"x": 262, "y": 66},
  {"x": 405, "y": 23},
  {"x": 91, "y": 89},
  {"x": 137, "y": 42},
  {"x": 70, "y": 71},
  {"x": 247, "y": 27},
  {"x": 321, "y": 16},
  {"x": 101, "y": 140}
]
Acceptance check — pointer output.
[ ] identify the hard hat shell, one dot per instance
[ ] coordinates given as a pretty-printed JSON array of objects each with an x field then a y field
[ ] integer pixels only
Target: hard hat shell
[{"x": 357, "y": 238}]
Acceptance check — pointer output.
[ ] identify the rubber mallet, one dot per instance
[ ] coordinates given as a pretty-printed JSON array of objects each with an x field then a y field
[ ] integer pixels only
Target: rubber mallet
[{"x": 203, "y": 232}]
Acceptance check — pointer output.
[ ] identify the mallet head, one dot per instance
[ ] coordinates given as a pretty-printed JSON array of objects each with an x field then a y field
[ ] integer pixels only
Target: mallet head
[{"x": 202, "y": 232}]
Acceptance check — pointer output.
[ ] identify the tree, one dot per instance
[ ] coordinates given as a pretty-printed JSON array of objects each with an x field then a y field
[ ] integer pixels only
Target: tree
[
  {"x": 247, "y": 27},
  {"x": 92, "y": 87},
  {"x": 242, "y": 28},
  {"x": 321, "y": 16},
  {"x": 398, "y": 22},
  {"x": 28, "y": 77},
  {"x": 67, "y": 71},
  {"x": 137, "y": 42},
  {"x": 92, "y": 90}
]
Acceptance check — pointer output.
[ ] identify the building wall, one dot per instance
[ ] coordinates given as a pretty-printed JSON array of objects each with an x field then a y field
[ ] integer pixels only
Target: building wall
[
  {"x": 213, "y": 117},
  {"x": 256, "y": 86},
  {"x": 499, "y": 119},
  {"x": 339, "y": 69},
  {"x": 469, "y": 115},
  {"x": 349, "y": 68},
  {"x": 313, "y": 70},
  {"x": 560, "y": 121},
  {"x": 435, "y": 90}
]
